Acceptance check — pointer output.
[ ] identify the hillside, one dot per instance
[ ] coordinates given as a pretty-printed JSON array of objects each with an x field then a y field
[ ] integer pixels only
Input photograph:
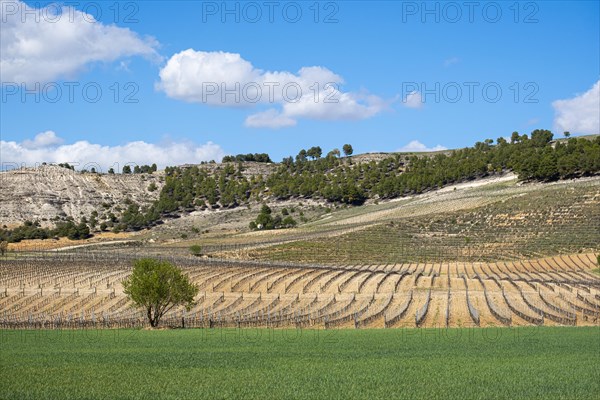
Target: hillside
[
  {"x": 133, "y": 202},
  {"x": 487, "y": 219},
  {"x": 49, "y": 192},
  {"x": 499, "y": 220}
]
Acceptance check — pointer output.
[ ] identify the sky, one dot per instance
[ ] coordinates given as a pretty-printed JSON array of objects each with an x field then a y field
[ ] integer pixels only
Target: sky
[{"x": 106, "y": 83}]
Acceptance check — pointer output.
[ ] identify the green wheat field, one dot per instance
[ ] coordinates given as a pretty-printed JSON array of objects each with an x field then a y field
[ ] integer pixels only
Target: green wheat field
[{"x": 488, "y": 363}]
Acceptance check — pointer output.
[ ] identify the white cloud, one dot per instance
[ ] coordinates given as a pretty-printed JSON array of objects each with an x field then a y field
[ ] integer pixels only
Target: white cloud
[
  {"x": 580, "y": 114},
  {"x": 41, "y": 140},
  {"x": 270, "y": 118},
  {"x": 44, "y": 44},
  {"x": 48, "y": 147},
  {"x": 416, "y": 146},
  {"x": 227, "y": 80},
  {"x": 348, "y": 106},
  {"x": 413, "y": 100},
  {"x": 205, "y": 77},
  {"x": 451, "y": 61}
]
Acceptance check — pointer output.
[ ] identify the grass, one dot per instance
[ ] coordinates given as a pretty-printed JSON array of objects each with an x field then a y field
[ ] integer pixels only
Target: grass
[
  {"x": 486, "y": 363},
  {"x": 596, "y": 271}
]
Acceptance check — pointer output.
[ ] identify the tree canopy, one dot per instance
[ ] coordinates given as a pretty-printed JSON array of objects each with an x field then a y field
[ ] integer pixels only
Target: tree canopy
[
  {"x": 256, "y": 157},
  {"x": 158, "y": 286},
  {"x": 34, "y": 230},
  {"x": 265, "y": 220},
  {"x": 348, "y": 150}
]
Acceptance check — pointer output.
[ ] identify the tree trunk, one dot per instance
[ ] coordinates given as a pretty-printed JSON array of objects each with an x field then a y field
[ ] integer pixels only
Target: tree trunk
[{"x": 152, "y": 319}]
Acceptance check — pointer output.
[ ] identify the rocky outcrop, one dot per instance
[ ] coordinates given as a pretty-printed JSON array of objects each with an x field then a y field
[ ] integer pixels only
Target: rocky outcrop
[{"x": 47, "y": 192}]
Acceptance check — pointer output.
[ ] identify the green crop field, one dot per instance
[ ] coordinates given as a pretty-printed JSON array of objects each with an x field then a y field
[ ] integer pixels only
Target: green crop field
[{"x": 503, "y": 363}]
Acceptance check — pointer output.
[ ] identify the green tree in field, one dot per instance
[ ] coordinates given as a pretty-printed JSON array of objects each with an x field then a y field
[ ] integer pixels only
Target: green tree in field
[
  {"x": 264, "y": 219},
  {"x": 158, "y": 286}
]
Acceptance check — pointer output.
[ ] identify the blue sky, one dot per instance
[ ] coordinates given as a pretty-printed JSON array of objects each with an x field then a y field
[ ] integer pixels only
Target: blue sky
[{"x": 397, "y": 68}]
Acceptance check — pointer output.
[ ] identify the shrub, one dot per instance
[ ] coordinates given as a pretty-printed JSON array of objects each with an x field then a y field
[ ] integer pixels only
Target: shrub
[
  {"x": 196, "y": 250},
  {"x": 289, "y": 222}
]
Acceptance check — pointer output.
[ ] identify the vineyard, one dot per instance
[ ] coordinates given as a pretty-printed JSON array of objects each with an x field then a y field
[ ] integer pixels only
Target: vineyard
[
  {"x": 492, "y": 253},
  {"x": 83, "y": 290},
  {"x": 481, "y": 224}
]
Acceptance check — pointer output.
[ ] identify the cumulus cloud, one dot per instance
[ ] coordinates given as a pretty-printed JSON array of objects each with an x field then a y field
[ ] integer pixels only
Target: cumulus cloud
[
  {"x": 206, "y": 77},
  {"x": 44, "y": 44},
  {"x": 413, "y": 100},
  {"x": 48, "y": 147},
  {"x": 580, "y": 114},
  {"x": 416, "y": 146},
  {"x": 227, "y": 80},
  {"x": 41, "y": 140}
]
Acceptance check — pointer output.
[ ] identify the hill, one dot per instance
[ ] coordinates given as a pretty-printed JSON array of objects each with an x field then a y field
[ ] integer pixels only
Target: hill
[
  {"x": 133, "y": 202},
  {"x": 50, "y": 193}
]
